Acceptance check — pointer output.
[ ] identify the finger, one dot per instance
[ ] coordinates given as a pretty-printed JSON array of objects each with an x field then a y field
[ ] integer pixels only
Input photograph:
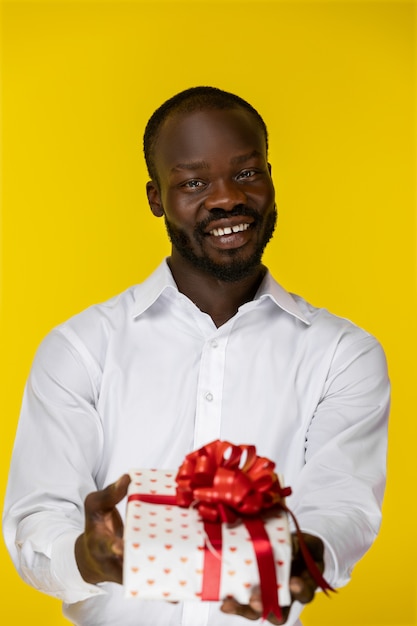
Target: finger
[
  {"x": 302, "y": 583},
  {"x": 302, "y": 588},
  {"x": 121, "y": 485},
  {"x": 253, "y": 610},
  {"x": 232, "y": 607},
  {"x": 255, "y": 600},
  {"x": 117, "y": 547},
  {"x": 107, "y": 498}
]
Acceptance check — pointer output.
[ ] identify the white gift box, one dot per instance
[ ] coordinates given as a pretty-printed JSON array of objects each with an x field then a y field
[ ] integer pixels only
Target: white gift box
[{"x": 165, "y": 546}]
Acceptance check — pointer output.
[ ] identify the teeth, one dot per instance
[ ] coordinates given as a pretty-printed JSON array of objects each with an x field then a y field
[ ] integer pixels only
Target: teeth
[{"x": 228, "y": 230}]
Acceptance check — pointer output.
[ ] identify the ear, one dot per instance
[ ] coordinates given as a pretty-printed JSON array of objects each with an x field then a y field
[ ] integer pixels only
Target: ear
[
  {"x": 270, "y": 168},
  {"x": 154, "y": 198}
]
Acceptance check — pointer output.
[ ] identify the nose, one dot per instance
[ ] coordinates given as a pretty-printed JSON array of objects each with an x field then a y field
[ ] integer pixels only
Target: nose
[{"x": 225, "y": 194}]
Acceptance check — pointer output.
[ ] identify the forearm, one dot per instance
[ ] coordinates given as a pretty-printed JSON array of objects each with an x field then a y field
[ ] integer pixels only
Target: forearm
[{"x": 44, "y": 555}]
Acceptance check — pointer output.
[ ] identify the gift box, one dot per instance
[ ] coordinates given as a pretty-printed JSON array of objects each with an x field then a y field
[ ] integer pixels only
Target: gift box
[
  {"x": 182, "y": 545},
  {"x": 165, "y": 546}
]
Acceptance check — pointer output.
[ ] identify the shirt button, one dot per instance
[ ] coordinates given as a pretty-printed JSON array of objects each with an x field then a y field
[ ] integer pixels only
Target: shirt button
[
  {"x": 208, "y": 396},
  {"x": 214, "y": 343}
]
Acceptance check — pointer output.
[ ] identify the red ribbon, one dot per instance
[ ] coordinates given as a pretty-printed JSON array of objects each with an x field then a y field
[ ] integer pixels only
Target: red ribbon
[
  {"x": 266, "y": 567},
  {"x": 225, "y": 483},
  {"x": 212, "y": 562}
]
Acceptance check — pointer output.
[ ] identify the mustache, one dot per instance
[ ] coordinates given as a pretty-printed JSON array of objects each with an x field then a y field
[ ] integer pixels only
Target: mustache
[{"x": 218, "y": 214}]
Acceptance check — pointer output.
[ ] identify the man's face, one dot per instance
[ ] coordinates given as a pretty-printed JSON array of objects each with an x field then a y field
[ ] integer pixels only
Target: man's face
[{"x": 215, "y": 190}]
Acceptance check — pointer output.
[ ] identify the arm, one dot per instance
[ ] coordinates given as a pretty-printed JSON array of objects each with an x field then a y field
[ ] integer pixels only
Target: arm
[
  {"x": 55, "y": 460},
  {"x": 337, "y": 496}
]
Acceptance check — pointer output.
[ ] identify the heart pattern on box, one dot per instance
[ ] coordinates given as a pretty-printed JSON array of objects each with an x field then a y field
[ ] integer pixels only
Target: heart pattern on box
[{"x": 157, "y": 568}]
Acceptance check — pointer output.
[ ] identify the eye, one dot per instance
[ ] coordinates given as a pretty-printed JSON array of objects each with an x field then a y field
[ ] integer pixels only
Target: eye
[
  {"x": 193, "y": 184},
  {"x": 246, "y": 174}
]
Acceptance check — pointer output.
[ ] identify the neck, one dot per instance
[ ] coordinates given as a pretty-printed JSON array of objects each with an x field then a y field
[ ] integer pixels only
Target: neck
[{"x": 217, "y": 298}]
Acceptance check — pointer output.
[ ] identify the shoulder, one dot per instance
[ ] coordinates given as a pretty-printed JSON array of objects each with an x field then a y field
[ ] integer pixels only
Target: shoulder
[
  {"x": 311, "y": 320},
  {"x": 82, "y": 341},
  {"x": 321, "y": 320},
  {"x": 319, "y": 332},
  {"x": 101, "y": 319},
  {"x": 342, "y": 339}
]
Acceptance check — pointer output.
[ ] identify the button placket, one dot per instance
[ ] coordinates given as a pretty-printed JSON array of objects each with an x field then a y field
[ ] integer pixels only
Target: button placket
[{"x": 209, "y": 393}]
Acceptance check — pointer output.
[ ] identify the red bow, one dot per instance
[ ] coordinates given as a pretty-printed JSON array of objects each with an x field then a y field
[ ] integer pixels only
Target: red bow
[{"x": 224, "y": 482}]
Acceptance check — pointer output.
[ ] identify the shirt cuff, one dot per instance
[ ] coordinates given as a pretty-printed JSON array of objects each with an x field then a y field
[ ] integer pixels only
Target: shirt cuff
[{"x": 64, "y": 568}]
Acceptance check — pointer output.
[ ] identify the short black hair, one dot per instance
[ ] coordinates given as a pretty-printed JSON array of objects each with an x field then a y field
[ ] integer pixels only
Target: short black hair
[{"x": 187, "y": 101}]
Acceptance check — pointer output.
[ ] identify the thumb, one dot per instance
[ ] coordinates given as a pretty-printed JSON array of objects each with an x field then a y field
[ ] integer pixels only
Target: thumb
[
  {"x": 107, "y": 498},
  {"x": 120, "y": 487}
]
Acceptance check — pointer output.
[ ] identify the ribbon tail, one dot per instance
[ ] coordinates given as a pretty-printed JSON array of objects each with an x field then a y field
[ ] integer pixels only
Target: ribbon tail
[
  {"x": 308, "y": 559},
  {"x": 212, "y": 562},
  {"x": 266, "y": 566}
]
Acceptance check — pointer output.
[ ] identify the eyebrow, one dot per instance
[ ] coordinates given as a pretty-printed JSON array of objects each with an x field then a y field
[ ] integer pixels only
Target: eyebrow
[
  {"x": 195, "y": 165},
  {"x": 245, "y": 157},
  {"x": 201, "y": 165}
]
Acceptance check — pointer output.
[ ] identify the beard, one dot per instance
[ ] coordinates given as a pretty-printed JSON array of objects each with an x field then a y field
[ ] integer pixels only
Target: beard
[{"x": 234, "y": 267}]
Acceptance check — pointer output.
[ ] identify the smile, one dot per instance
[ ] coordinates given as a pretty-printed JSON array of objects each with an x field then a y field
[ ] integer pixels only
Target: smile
[{"x": 228, "y": 230}]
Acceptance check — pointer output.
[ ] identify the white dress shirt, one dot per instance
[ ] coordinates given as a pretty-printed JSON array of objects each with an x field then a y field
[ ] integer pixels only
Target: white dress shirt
[{"x": 145, "y": 378}]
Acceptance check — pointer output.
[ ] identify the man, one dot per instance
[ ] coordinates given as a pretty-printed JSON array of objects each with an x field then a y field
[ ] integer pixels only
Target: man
[{"x": 208, "y": 347}]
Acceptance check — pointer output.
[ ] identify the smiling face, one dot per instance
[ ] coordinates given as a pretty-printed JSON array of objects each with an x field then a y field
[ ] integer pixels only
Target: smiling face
[{"x": 214, "y": 190}]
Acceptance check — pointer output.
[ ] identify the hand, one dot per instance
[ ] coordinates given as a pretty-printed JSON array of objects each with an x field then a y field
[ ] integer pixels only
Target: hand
[
  {"x": 99, "y": 550},
  {"x": 301, "y": 584}
]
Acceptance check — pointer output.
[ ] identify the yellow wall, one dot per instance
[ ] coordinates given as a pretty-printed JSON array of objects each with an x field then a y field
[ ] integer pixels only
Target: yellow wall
[{"x": 335, "y": 82}]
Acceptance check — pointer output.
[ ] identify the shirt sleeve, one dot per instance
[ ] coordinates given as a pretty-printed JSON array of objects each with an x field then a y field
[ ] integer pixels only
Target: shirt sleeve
[
  {"x": 57, "y": 449},
  {"x": 338, "y": 494}
]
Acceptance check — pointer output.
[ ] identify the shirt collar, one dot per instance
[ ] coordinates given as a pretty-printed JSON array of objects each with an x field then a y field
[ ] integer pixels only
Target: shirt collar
[
  {"x": 151, "y": 289},
  {"x": 269, "y": 288},
  {"x": 161, "y": 280}
]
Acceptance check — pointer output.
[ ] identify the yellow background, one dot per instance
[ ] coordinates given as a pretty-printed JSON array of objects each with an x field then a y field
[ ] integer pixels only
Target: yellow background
[{"x": 335, "y": 82}]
